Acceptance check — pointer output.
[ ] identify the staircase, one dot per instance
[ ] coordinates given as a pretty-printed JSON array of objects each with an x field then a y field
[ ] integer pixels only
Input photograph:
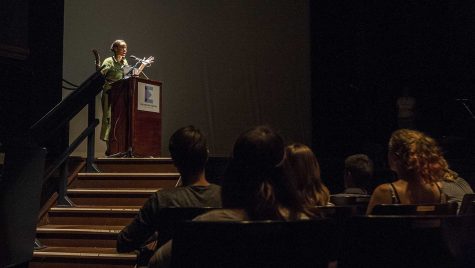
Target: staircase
[{"x": 85, "y": 235}]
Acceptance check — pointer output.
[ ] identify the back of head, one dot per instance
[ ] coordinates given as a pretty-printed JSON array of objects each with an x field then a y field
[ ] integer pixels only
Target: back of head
[
  {"x": 259, "y": 150},
  {"x": 417, "y": 156},
  {"x": 254, "y": 179},
  {"x": 189, "y": 150},
  {"x": 358, "y": 171},
  {"x": 302, "y": 167}
]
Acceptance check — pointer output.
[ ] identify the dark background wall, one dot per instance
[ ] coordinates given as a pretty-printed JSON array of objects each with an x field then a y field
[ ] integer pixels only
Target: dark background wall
[
  {"x": 225, "y": 65},
  {"x": 359, "y": 54},
  {"x": 365, "y": 52},
  {"x": 31, "y": 58}
]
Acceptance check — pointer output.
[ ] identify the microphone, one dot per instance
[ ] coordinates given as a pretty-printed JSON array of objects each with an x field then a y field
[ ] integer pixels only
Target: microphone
[
  {"x": 146, "y": 62},
  {"x": 135, "y": 58}
]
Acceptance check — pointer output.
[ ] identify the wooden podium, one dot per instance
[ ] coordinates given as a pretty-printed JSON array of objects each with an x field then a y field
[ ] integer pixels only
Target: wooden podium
[{"x": 136, "y": 122}]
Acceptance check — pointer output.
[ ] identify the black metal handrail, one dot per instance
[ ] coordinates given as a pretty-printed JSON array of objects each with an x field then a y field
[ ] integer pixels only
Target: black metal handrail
[
  {"x": 67, "y": 109},
  {"x": 58, "y": 117}
]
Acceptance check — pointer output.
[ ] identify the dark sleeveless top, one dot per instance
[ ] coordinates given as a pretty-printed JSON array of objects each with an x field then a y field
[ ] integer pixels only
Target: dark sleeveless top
[{"x": 395, "y": 196}]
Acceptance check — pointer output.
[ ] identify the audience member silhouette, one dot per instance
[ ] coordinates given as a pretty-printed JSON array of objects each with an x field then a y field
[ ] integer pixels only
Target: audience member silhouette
[
  {"x": 254, "y": 186},
  {"x": 406, "y": 105},
  {"x": 302, "y": 166},
  {"x": 189, "y": 152},
  {"x": 419, "y": 165},
  {"x": 454, "y": 186},
  {"x": 358, "y": 174}
]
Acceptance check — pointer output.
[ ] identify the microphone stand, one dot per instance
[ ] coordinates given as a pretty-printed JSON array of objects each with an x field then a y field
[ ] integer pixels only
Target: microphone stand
[
  {"x": 145, "y": 75},
  {"x": 135, "y": 67},
  {"x": 131, "y": 71},
  {"x": 467, "y": 108}
]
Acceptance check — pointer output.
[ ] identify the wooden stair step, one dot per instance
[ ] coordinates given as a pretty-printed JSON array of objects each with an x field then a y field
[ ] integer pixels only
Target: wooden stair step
[
  {"x": 80, "y": 228},
  {"x": 78, "y": 235},
  {"x": 84, "y": 236},
  {"x": 125, "y": 180},
  {"x": 110, "y": 197},
  {"x": 159, "y": 164},
  {"x": 92, "y": 215},
  {"x": 81, "y": 257}
]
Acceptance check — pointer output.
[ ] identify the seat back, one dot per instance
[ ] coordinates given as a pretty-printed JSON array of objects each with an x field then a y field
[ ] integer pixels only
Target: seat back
[
  {"x": 468, "y": 204},
  {"x": 171, "y": 216},
  {"x": 396, "y": 241},
  {"x": 459, "y": 233},
  {"x": 415, "y": 209},
  {"x": 337, "y": 212},
  {"x": 254, "y": 244},
  {"x": 349, "y": 199},
  {"x": 359, "y": 201},
  {"x": 168, "y": 219}
]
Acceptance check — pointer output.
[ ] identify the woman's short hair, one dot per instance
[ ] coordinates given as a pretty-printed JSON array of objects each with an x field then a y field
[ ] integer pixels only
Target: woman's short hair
[
  {"x": 418, "y": 155},
  {"x": 189, "y": 150},
  {"x": 361, "y": 168},
  {"x": 117, "y": 43}
]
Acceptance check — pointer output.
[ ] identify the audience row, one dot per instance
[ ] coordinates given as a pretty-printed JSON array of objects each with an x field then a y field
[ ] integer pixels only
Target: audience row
[{"x": 266, "y": 180}]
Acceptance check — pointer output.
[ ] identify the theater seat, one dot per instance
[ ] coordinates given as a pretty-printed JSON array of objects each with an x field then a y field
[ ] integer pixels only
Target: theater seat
[
  {"x": 338, "y": 212},
  {"x": 413, "y": 209},
  {"x": 350, "y": 199},
  {"x": 170, "y": 217},
  {"x": 168, "y": 220},
  {"x": 468, "y": 205},
  {"x": 399, "y": 241},
  {"x": 254, "y": 244},
  {"x": 359, "y": 201}
]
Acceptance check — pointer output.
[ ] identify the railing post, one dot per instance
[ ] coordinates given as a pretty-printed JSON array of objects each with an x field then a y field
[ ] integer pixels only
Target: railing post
[
  {"x": 91, "y": 138},
  {"x": 63, "y": 199}
]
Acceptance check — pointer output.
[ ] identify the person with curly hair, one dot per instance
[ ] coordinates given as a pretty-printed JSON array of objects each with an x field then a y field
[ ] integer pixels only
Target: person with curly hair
[
  {"x": 302, "y": 166},
  {"x": 420, "y": 167}
]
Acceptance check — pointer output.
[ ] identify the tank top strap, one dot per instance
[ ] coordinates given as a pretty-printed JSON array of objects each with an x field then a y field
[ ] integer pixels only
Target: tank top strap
[
  {"x": 440, "y": 193},
  {"x": 394, "y": 195}
]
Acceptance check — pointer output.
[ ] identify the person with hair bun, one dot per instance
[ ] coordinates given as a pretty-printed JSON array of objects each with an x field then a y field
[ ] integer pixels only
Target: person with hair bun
[
  {"x": 112, "y": 69},
  {"x": 420, "y": 167}
]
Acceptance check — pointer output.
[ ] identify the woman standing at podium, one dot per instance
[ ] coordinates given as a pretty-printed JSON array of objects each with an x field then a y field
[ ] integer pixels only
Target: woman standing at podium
[{"x": 112, "y": 69}]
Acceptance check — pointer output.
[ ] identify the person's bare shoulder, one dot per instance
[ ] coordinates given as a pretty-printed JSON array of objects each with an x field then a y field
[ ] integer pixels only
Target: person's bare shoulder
[{"x": 381, "y": 195}]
